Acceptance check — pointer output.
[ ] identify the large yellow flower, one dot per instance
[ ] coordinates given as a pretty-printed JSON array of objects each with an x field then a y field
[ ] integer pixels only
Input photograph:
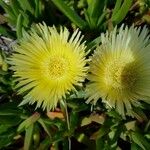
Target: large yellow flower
[
  {"x": 120, "y": 69},
  {"x": 48, "y": 64}
]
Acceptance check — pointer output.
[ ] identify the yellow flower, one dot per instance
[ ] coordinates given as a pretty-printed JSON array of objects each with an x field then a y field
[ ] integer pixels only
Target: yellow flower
[
  {"x": 48, "y": 64},
  {"x": 120, "y": 69}
]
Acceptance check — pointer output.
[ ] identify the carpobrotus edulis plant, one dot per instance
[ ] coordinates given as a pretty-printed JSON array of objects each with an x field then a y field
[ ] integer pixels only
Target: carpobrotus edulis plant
[
  {"x": 48, "y": 64},
  {"x": 120, "y": 69}
]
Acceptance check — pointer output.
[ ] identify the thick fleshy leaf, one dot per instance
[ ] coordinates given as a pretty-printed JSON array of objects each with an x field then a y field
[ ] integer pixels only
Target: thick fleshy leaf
[
  {"x": 28, "y": 137},
  {"x": 28, "y": 122}
]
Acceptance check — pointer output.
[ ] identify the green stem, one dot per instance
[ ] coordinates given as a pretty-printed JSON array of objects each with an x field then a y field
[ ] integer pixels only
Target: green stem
[
  {"x": 68, "y": 123},
  {"x": 64, "y": 104}
]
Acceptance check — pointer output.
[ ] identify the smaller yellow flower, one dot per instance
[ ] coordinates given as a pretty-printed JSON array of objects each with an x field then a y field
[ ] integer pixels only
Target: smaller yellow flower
[
  {"x": 120, "y": 69},
  {"x": 48, "y": 64}
]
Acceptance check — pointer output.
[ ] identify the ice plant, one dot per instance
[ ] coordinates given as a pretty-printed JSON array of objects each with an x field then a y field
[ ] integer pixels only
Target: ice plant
[
  {"x": 48, "y": 64},
  {"x": 119, "y": 71}
]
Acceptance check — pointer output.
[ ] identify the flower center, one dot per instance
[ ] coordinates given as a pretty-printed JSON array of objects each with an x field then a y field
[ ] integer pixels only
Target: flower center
[
  {"x": 57, "y": 67},
  {"x": 120, "y": 74}
]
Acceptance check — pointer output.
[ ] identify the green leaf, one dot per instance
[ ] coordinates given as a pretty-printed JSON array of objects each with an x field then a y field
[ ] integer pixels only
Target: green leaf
[
  {"x": 115, "y": 133},
  {"x": 134, "y": 146},
  {"x": 44, "y": 126},
  {"x": 19, "y": 26},
  {"x": 26, "y": 19},
  {"x": 100, "y": 144},
  {"x": 74, "y": 120},
  {"x": 114, "y": 115},
  {"x": 40, "y": 7},
  {"x": 147, "y": 136},
  {"x": 55, "y": 122},
  {"x": 80, "y": 94},
  {"x": 89, "y": 1},
  {"x": 140, "y": 140},
  {"x": 102, "y": 131},
  {"x": 117, "y": 7},
  {"x": 26, "y": 5},
  {"x": 95, "y": 8},
  {"x": 10, "y": 120},
  {"x": 77, "y": 105},
  {"x": 44, "y": 144},
  {"x": 36, "y": 135},
  {"x": 139, "y": 114},
  {"x": 6, "y": 32},
  {"x": 146, "y": 129},
  {"x": 122, "y": 12},
  {"x": 71, "y": 14},
  {"x": 101, "y": 19},
  {"x": 92, "y": 45},
  {"x": 9, "y": 112},
  {"x": 59, "y": 136},
  {"x": 87, "y": 17},
  {"x": 28, "y": 137},
  {"x": 136, "y": 139},
  {"x": 65, "y": 144},
  {"x": 94, "y": 11},
  {"x": 9, "y": 109},
  {"x": 28, "y": 122},
  {"x": 15, "y": 6},
  {"x": 37, "y": 8},
  {"x": 8, "y": 9},
  {"x": 4, "y": 128},
  {"x": 7, "y": 138}
]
